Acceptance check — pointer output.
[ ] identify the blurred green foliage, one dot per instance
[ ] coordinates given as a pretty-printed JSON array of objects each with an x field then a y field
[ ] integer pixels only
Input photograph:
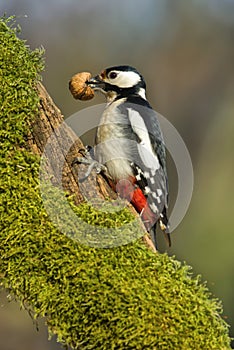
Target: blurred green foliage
[{"x": 119, "y": 298}]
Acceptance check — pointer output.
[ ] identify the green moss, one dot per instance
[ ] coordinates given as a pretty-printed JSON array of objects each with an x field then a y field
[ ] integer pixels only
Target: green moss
[
  {"x": 120, "y": 298},
  {"x": 95, "y": 226}
]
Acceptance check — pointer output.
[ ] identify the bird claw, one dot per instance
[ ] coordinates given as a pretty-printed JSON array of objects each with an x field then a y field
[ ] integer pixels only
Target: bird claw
[{"x": 92, "y": 164}]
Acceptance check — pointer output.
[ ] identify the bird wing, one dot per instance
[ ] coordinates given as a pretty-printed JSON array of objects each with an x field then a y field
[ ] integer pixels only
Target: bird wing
[{"x": 149, "y": 164}]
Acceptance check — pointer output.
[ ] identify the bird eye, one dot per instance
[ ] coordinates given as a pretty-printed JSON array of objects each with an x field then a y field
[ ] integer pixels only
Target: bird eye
[{"x": 112, "y": 75}]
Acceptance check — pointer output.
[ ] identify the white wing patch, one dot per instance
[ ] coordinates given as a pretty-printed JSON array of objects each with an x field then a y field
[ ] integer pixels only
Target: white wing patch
[{"x": 145, "y": 150}]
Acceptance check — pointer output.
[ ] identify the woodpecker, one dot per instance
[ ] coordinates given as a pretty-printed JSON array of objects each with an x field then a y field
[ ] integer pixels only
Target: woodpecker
[{"x": 130, "y": 144}]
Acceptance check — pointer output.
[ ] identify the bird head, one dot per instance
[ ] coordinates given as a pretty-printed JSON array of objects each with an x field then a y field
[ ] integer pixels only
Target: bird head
[{"x": 119, "y": 82}]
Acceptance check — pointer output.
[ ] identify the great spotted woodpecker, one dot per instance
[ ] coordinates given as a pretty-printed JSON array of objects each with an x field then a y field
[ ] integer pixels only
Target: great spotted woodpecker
[{"x": 129, "y": 143}]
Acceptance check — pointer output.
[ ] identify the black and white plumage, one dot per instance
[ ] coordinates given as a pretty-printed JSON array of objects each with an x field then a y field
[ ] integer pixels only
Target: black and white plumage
[{"x": 129, "y": 142}]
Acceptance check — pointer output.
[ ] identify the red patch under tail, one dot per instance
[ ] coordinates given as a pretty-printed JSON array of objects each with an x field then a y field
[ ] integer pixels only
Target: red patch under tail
[{"x": 127, "y": 190}]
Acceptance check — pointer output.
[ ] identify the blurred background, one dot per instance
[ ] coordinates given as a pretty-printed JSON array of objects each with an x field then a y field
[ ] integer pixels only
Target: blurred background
[{"x": 185, "y": 51}]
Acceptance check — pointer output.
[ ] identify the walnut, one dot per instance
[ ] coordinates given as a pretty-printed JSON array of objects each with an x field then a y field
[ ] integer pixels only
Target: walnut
[{"x": 78, "y": 87}]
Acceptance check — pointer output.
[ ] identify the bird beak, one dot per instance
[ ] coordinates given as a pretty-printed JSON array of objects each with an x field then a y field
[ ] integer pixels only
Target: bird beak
[{"x": 96, "y": 83}]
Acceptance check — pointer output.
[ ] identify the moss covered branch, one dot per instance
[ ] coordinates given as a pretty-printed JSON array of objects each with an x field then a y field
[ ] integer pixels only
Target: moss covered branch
[{"x": 121, "y": 298}]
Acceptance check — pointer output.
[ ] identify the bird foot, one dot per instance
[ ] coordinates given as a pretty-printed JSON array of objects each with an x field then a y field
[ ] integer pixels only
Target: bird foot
[{"x": 88, "y": 160}]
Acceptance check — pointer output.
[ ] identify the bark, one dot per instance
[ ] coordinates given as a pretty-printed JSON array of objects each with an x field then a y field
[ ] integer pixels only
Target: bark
[{"x": 64, "y": 147}]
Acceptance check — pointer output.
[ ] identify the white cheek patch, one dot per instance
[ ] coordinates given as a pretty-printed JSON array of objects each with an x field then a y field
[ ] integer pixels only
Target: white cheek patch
[
  {"x": 145, "y": 150},
  {"x": 125, "y": 79}
]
